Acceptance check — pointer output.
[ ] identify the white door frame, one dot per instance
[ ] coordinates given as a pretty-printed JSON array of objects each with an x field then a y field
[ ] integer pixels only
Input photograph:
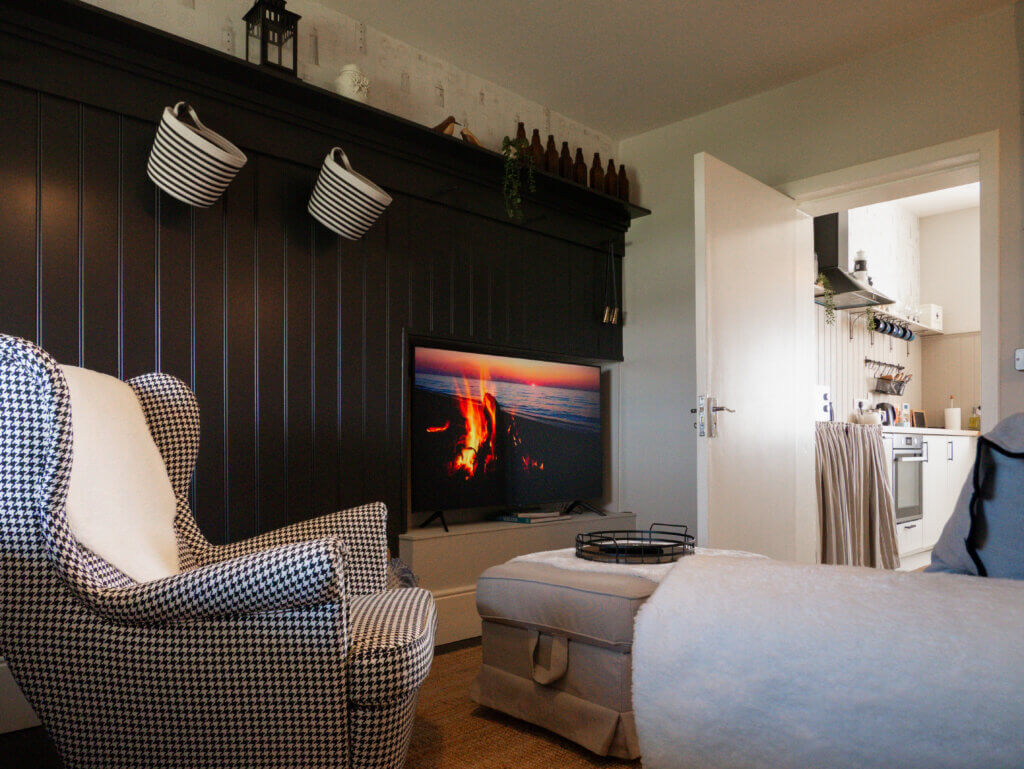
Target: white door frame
[{"x": 974, "y": 158}]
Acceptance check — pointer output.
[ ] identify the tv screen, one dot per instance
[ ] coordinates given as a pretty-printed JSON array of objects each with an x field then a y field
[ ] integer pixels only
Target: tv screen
[{"x": 491, "y": 430}]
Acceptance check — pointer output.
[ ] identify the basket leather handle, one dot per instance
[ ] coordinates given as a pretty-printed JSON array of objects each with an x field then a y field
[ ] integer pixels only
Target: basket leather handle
[
  {"x": 339, "y": 156},
  {"x": 559, "y": 658},
  {"x": 191, "y": 114}
]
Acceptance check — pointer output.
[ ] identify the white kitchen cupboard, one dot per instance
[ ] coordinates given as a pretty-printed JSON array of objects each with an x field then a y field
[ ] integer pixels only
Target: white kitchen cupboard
[{"x": 950, "y": 459}]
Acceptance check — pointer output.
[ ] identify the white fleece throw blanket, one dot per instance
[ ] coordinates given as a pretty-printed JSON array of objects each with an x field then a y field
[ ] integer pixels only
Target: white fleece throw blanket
[
  {"x": 746, "y": 662},
  {"x": 655, "y": 572}
]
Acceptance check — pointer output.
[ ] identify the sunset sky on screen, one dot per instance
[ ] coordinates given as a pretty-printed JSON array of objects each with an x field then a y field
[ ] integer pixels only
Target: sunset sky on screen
[{"x": 474, "y": 366}]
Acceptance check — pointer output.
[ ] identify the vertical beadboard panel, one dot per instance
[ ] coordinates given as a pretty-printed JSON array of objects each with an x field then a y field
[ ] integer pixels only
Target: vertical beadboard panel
[
  {"x": 292, "y": 338},
  {"x": 841, "y": 363}
]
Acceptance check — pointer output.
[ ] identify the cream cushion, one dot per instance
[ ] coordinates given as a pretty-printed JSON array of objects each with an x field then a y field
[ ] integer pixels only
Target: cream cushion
[{"x": 120, "y": 502}]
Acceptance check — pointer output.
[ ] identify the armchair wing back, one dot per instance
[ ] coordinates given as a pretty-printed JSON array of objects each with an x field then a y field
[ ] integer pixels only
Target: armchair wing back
[{"x": 283, "y": 650}]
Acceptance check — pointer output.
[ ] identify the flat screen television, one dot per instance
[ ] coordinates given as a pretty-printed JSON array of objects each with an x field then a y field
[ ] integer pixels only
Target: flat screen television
[{"x": 497, "y": 431}]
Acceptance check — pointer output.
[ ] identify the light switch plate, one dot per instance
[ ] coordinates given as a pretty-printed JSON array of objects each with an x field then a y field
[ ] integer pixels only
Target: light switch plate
[{"x": 1018, "y": 359}]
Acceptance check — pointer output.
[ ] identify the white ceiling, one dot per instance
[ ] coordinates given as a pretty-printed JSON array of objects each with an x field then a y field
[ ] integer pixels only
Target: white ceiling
[
  {"x": 626, "y": 67},
  {"x": 943, "y": 201}
]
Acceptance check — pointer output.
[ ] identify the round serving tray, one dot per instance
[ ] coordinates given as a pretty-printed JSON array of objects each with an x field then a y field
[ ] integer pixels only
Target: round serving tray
[{"x": 656, "y": 545}]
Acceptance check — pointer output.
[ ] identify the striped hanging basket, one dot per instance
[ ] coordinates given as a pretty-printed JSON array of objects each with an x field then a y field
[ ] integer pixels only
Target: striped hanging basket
[
  {"x": 343, "y": 201},
  {"x": 190, "y": 162}
]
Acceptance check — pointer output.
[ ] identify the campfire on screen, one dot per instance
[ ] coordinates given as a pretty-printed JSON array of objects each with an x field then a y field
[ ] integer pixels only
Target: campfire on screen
[{"x": 474, "y": 448}]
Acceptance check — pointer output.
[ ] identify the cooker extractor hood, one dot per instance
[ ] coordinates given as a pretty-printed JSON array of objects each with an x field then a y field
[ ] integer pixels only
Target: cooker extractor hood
[{"x": 832, "y": 245}]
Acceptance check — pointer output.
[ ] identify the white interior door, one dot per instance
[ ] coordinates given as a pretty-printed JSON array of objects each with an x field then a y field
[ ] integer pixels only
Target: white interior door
[{"x": 755, "y": 356}]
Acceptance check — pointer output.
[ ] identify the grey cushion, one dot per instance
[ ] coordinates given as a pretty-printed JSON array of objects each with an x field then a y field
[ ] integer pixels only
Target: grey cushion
[
  {"x": 587, "y": 606},
  {"x": 994, "y": 545}
]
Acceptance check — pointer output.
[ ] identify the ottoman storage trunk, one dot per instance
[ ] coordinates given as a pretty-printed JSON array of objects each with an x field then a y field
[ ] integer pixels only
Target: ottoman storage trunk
[{"x": 557, "y": 651}]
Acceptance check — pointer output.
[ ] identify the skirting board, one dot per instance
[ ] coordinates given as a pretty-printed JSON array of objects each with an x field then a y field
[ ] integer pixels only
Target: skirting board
[{"x": 15, "y": 712}]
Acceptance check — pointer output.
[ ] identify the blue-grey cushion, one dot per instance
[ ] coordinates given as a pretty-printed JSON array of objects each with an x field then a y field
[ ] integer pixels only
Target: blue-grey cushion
[{"x": 985, "y": 535}]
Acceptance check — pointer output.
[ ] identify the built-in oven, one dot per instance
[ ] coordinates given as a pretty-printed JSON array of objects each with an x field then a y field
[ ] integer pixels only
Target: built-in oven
[{"x": 908, "y": 458}]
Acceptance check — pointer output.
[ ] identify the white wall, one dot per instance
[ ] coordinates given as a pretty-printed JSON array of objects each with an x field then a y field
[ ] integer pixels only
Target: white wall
[
  {"x": 951, "y": 365},
  {"x": 951, "y": 268},
  {"x": 958, "y": 82},
  {"x": 889, "y": 237},
  {"x": 490, "y": 111}
]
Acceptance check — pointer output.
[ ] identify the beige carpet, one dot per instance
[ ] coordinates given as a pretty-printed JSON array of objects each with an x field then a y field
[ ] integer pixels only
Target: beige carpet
[{"x": 453, "y": 732}]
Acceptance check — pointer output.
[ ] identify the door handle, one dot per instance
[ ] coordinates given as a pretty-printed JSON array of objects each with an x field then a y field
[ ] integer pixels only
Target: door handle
[
  {"x": 949, "y": 445},
  {"x": 911, "y": 459},
  {"x": 723, "y": 408}
]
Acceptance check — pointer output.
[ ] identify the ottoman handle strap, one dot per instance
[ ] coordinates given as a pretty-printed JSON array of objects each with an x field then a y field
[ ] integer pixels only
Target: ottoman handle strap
[{"x": 559, "y": 658}]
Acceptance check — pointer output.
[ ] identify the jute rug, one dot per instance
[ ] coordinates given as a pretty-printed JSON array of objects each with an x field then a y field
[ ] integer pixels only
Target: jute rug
[{"x": 453, "y": 732}]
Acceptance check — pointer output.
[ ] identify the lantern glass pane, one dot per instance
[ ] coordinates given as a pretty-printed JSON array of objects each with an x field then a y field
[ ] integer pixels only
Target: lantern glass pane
[{"x": 252, "y": 43}]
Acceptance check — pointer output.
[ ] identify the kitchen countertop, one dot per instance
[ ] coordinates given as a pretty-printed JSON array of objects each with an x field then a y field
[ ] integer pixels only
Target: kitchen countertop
[{"x": 930, "y": 431}]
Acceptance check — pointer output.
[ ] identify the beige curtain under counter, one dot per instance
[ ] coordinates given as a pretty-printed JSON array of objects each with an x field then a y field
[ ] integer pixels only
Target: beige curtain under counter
[{"x": 855, "y": 502}]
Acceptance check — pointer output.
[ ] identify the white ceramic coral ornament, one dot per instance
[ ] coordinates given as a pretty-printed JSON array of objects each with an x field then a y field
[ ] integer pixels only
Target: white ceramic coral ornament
[{"x": 352, "y": 83}]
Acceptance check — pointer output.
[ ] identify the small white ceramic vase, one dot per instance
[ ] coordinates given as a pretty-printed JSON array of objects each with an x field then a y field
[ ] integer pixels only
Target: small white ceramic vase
[{"x": 352, "y": 83}]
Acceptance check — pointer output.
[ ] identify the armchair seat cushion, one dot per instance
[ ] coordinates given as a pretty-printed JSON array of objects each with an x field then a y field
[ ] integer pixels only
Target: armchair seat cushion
[{"x": 392, "y": 644}]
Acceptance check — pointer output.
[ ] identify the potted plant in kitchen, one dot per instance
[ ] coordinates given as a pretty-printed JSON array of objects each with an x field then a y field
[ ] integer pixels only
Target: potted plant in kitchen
[{"x": 828, "y": 298}]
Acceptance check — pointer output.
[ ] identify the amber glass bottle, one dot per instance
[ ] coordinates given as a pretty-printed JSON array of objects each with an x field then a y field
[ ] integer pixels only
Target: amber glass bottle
[
  {"x": 565, "y": 162},
  {"x": 537, "y": 150},
  {"x": 579, "y": 168},
  {"x": 611, "y": 179},
  {"x": 596, "y": 173},
  {"x": 623, "y": 184},
  {"x": 551, "y": 156}
]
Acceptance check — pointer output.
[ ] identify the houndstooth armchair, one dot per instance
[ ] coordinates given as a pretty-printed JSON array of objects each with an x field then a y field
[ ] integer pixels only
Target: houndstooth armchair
[{"x": 285, "y": 650}]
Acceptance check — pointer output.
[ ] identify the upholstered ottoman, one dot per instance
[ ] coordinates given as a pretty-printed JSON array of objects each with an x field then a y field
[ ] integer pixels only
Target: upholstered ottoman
[{"x": 557, "y": 650}]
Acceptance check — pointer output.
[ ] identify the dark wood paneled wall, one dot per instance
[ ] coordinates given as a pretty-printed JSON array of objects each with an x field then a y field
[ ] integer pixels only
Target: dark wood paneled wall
[{"x": 292, "y": 338}]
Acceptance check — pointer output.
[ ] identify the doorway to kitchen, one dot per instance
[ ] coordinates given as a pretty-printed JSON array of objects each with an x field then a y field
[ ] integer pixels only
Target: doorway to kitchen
[{"x": 911, "y": 340}]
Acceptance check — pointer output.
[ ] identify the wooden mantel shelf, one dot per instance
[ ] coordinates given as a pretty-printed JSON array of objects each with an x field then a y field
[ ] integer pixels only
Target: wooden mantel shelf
[{"x": 73, "y": 26}]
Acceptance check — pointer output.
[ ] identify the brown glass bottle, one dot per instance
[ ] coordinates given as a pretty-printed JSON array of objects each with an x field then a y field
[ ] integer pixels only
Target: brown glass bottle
[
  {"x": 579, "y": 168},
  {"x": 537, "y": 150},
  {"x": 565, "y": 162},
  {"x": 551, "y": 156},
  {"x": 623, "y": 190},
  {"x": 521, "y": 142},
  {"x": 611, "y": 179},
  {"x": 596, "y": 173}
]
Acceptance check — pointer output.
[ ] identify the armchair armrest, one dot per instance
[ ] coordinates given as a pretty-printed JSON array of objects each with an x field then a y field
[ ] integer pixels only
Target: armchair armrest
[
  {"x": 294, "y": 575},
  {"x": 363, "y": 530}
]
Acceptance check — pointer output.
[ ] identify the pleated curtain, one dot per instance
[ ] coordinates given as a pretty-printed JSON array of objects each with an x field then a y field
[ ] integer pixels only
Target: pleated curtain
[{"x": 855, "y": 502}]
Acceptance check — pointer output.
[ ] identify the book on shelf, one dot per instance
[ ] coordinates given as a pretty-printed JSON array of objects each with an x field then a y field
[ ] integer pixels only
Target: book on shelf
[{"x": 519, "y": 517}]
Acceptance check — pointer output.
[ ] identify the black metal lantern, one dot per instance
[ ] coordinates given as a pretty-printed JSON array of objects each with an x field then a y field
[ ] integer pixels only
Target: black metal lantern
[{"x": 271, "y": 38}]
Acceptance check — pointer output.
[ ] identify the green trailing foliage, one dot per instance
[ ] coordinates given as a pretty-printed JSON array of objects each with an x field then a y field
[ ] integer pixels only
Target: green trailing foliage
[
  {"x": 828, "y": 299},
  {"x": 517, "y": 155}
]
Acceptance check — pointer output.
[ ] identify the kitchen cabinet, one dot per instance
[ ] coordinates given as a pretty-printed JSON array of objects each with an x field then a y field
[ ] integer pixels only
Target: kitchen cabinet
[{"x": 948, "y": 463}]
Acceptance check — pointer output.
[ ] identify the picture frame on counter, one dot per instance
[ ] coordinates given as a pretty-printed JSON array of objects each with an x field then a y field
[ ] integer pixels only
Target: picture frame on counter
[{"x": 917, "y": 419}]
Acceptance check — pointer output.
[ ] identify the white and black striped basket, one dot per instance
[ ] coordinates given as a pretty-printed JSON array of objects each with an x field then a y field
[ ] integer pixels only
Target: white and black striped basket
[
  {"x": 190, "y": 162},
  {"x": 344, "y": 201}
]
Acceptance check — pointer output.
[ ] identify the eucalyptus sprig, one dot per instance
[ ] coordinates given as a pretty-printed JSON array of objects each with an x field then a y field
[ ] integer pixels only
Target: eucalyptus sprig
[
  {"x": 828, "y": 299},
  {"x": 517, "y": 154},
  {"x": 870, "y": 319}
]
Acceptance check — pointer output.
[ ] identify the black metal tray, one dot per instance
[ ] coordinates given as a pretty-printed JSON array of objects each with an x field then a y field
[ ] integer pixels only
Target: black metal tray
[{"x": 659, "y": 544}]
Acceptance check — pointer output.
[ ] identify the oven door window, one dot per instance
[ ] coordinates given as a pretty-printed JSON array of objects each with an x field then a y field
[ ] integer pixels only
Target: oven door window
[{"x": 907, "y": 476}]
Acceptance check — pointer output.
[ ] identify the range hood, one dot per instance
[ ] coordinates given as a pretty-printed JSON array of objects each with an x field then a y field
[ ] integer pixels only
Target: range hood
[{"x": 832, "y": 245}]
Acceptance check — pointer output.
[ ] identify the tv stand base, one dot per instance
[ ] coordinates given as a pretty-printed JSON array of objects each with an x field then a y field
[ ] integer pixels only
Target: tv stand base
[
  {"x": 435, "y": 515},
  {"x": 579, "y": 503}
]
